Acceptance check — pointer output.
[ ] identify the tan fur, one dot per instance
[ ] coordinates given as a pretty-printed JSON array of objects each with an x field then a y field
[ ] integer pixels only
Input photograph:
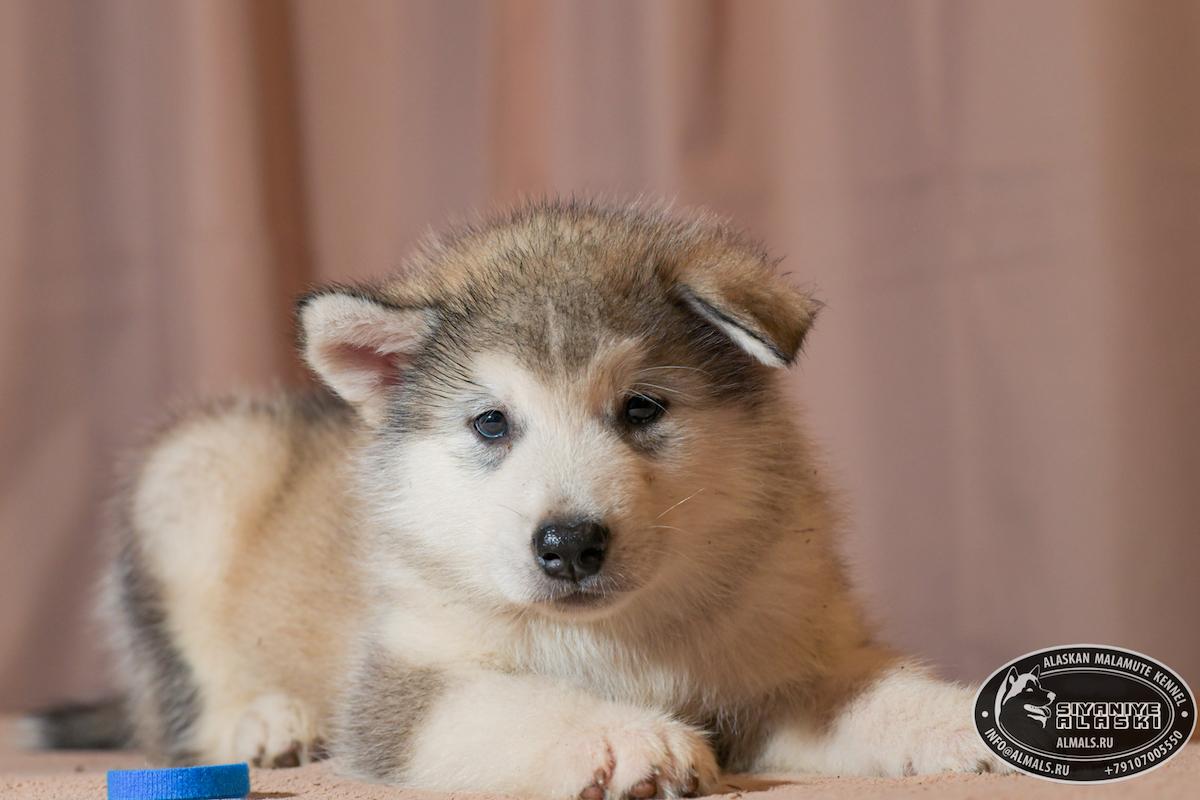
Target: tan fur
[
  {"x": 365, "y": 572},
  {"x": 241, "y": 517}
]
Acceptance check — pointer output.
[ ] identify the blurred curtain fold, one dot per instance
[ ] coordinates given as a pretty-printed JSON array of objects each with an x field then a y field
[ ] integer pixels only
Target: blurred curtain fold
[{"x": 1000, "y": 203}]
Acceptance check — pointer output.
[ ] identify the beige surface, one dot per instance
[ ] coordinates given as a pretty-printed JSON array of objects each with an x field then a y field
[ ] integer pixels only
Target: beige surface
[
  {"x": 47, "y": 776},
  {"x": 998, "y": 200}
]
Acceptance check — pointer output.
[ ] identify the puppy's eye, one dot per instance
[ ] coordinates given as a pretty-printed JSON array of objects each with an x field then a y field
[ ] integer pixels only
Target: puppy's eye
[
  {"x": 640, "y": 410},
  {"x": 491, "y": 425}
]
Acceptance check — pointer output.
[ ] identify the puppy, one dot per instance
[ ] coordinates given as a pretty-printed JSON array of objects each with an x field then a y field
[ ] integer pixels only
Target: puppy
[{"x": 554, "y": 531}]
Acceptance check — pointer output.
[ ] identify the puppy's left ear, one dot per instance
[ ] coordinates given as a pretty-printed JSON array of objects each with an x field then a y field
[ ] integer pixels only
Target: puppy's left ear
[{"x": 753, "y": 306}]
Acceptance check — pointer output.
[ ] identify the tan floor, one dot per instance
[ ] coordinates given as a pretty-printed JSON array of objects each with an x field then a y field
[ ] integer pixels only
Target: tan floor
[{"x": 80, "y": 775}]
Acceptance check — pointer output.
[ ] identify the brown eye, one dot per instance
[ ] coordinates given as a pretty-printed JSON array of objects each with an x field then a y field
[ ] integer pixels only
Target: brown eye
[
  {"x": 491, "y": 425},
  {"x": 641, "y": 410}
]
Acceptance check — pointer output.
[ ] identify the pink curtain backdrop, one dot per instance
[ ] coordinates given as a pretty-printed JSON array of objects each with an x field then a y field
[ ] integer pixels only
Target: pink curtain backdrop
[{"x": 999, "y": 201}]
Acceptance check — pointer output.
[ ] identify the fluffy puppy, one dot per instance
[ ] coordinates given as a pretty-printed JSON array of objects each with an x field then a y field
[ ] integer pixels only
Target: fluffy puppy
[{"x": 554, "y": 531}]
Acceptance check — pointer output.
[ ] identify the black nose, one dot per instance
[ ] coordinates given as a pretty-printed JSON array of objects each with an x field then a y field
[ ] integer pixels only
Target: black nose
[{"x": 570, "y": 550}]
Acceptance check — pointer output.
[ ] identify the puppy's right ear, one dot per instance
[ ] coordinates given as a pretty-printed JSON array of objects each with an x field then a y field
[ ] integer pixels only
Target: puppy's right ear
[{"x": 360, "y": 344}]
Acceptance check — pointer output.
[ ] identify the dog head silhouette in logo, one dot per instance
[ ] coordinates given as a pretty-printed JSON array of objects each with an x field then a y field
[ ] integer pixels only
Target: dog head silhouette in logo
[{"x": 1022, "y": 695}]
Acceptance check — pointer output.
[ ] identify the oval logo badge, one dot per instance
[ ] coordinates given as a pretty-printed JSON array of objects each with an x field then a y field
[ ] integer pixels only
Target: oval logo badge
[{"x": 1085, "y": 712}]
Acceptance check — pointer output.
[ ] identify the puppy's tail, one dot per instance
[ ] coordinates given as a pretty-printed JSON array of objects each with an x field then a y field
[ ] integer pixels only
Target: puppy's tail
[{"x": 103, "y": 725}]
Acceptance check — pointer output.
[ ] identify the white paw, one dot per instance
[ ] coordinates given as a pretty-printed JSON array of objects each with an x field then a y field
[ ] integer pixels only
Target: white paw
[
  {"x": 651, "y": 757},
  {"x": 276, "y": 731},
  {"x": 950, "y": 748},
  {"x": 912, "y": 724}
]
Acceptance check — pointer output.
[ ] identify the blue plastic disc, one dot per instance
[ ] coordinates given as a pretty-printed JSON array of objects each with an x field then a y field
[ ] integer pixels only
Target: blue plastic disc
[{"x": 182, "y": 783}]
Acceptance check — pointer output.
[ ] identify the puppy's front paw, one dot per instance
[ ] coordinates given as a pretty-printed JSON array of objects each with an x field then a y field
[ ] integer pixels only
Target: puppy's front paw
[
  {"x": 951, "y": 748},
  {"x": 652, "y": 757},
  {"x": 911, "y": 724},
  {"x": 276, "y": 731}
]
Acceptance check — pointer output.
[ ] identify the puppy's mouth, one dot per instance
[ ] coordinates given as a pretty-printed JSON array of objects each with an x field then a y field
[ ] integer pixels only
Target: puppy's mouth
[
  {"x": 581, "y": 598},
  {"x": 588, "y": 594}
]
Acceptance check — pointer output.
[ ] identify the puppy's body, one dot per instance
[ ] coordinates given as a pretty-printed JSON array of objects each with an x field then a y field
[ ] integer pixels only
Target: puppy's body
[
  {"x": 235, "y": 574},
  {"x": 361, "y": 569}
]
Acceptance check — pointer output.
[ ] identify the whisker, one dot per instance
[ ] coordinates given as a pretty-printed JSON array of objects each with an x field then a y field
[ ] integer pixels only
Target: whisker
[
  {"x": 672, "y": 366},
  {"x": 681, "y": 502},
  {"x": 666, "y": 528},
  {"x": 667, "y": 389},
  {"x": 513, "y": 510},
  {"x": 650, "y": 399}
]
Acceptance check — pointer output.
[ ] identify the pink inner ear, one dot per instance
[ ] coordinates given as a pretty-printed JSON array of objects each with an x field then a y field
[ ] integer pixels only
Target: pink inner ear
[{"x": 383, "y": 368}]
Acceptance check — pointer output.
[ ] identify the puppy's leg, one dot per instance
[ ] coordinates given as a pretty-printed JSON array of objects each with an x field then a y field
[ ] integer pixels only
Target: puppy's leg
[
  {"x": 275, "y": 730},
  {"x": 901, "y": 722},
  {"x": 210, "y": 596},
  {"x": 515, "y": 734}
]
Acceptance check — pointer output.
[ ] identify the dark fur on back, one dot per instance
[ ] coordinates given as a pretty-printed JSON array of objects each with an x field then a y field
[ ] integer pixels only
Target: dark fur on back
[{"x": 167, "y": 684}]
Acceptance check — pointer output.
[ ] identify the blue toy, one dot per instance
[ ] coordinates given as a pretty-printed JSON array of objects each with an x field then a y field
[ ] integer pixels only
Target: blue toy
[{"x": 223, "y": 782}]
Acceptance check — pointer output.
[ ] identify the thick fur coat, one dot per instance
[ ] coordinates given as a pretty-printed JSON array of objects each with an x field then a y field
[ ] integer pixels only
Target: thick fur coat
[{"x": 370, "y": 568}]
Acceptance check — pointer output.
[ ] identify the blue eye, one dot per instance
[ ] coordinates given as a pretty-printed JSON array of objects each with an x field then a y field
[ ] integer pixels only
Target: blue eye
[
  {"x": 491, "y": 425},
  {"x": 640, "y": 410}
]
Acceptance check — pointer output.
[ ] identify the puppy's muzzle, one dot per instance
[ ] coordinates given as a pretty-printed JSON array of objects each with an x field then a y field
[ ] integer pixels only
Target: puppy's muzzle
[{"x": 570, "y": 551}]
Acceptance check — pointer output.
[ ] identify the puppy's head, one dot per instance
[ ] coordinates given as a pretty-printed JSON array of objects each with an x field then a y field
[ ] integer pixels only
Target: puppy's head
[{"x": 568, "y": 406}]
